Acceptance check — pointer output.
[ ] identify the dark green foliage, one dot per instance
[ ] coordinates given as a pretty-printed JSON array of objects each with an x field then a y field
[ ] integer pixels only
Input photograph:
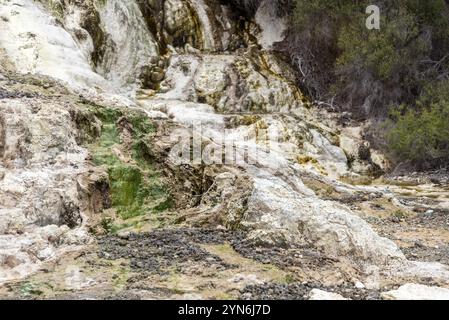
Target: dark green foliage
[
  {"x": 369, "y": 72},
  {"x": 421, "y": 134}
]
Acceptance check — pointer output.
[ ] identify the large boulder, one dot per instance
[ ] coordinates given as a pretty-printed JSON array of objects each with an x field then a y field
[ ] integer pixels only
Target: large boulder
[{"x": 412, "y": 291}]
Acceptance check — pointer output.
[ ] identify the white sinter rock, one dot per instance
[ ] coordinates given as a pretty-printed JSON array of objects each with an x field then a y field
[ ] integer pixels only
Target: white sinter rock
[
  {"x": 36, "y": 43},
  {"x": 273, "y": 27},
  {"x": 412, "y": 291},
  {"x": 317, "y": 294}
]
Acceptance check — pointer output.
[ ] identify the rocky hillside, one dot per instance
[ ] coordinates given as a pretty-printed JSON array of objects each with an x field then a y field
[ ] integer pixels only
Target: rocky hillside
[{"x": 162, "y": 149}]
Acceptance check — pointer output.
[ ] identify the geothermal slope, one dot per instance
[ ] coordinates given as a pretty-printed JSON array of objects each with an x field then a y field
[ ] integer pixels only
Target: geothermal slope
[{"x": 103, "y": 106}]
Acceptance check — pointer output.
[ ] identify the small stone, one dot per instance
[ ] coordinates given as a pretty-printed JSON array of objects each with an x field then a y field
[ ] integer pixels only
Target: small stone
[
  {"x": 11, "y": 262},
  {"x": 45, "y": 254},
  {"x": 247, "y": 296},
  {"x": 123, "y": 235},
  {"x": 395, "y": 219},
  {"x": 418, "y": 244},
  {"x": 192, "y": 296},
  {"x": 317, "y": 294},
  {"x": 359, "y": 285},
  {"x": 53, "y": 239},
  {"x": 157, "y": 76},
  {"x": 154, "y": 60}
]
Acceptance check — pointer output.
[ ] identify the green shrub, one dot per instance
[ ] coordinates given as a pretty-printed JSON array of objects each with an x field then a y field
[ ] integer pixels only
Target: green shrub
[
  {"x": 421, "y": 134},
  {"x": 368, "y": 70}
]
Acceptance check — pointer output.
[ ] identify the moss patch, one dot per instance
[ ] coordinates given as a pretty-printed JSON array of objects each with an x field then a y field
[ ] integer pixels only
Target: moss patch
[
  {"x": 136, "y": 187},
  {"x": 29, "y": 289}
]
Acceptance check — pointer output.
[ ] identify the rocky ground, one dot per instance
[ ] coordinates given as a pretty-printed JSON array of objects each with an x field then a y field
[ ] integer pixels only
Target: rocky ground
[
  {"x": 186, "y": 263},
  {"x": 182, "y": 263}
]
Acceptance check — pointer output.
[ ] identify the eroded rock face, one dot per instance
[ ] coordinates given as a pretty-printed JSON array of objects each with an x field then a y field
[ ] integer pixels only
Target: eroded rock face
[
  {"x": 273, "y": 26},
  {"x": 39, "y": 199},
  {"x": 45, "y": 206},
  {"x": 129, "y": 46},
  {"x": 275, "y": 208},
  {"x": 231, "y": 83},
  {"x": 36, "y": 43},
  {"x": 278, "y": 208}
]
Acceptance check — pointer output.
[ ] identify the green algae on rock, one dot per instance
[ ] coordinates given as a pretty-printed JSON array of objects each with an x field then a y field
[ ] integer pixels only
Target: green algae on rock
[{"x": 136, "y": 188}]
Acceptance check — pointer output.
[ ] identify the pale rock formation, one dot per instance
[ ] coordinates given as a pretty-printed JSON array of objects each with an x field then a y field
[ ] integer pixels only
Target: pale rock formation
[
  {"x": 35, "y": 43},
  {"x": 317, "y": 294},
  {"x": 273, "y": 27},
  {"x": 40, "y": 204},
  {"x": 129, "y": 47},
  {"x": 412, "y": 291}
]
